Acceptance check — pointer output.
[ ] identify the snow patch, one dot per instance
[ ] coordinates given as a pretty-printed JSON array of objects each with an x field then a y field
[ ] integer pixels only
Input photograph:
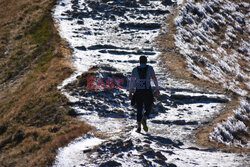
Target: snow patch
[{"x": 75, "y": 151}]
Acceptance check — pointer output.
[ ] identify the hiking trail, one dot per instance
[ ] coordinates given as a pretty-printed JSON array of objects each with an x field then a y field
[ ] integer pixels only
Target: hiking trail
[{"x": 109, "y": 37}]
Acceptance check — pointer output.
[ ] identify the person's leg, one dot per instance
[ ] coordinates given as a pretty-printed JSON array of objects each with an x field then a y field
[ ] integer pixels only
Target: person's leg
[
  {"x": 139, "y": 106},
  {"x": 148, "y": 107},
  {"x": 144, "y": 121},
  {"x": 148, "y": 102}
]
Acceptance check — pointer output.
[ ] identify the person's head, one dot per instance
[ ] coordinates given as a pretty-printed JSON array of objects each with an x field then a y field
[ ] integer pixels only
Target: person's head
[{"x": 143, "y": 60}]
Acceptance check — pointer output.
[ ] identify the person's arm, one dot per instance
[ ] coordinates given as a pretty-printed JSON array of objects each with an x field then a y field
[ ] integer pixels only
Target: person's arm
[
  {"x": 155, "y": 82},
  {"x": 131, "y": 85}
]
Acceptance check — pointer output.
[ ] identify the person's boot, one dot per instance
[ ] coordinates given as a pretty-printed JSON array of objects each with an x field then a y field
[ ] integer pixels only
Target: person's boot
[
  {"x": 138, "y": 130},
  {"x": 144, "y": 124}
]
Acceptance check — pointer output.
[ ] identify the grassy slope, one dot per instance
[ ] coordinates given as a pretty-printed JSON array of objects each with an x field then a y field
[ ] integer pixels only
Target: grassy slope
[
  {"x": 174, "y": 61},
  {"x": 34, "y": 119},
  {"x": 176, "y": 65}
]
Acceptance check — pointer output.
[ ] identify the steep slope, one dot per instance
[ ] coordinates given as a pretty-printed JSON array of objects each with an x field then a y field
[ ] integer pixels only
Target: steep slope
[
  {"x": 212, "y": 40},
  {"x": 33, "y": 119}
]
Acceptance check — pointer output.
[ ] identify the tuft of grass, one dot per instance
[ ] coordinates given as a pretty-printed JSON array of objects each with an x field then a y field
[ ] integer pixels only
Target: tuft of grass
[
  {"x": 202, "y": 134},
  {"x": 43, "y": 64},
  {"x": 40, "y": 31}
]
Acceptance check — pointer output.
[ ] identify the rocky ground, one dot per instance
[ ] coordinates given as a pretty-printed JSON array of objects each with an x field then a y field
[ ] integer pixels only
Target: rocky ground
[{"x": 107, "y": 38}]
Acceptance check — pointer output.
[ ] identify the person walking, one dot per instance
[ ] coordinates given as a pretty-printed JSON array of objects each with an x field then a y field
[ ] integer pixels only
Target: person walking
[{"x": 141, "y": 76}]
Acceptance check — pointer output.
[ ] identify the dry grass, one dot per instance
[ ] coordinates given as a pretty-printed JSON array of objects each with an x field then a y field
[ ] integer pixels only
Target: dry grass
[
  {"x": 203, "y": 132},
  {"x": 175, "y": 62},
  {"x": 170, "y": 54},
  {"x": 34, "y": 119},
  {"x": 176, "y": 65}
]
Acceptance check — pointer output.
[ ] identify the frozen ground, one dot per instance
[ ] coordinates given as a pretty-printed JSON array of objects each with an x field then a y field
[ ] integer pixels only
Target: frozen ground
[
  {"x": 213, "y": 36},
  {"x": 109, "y": 37}
]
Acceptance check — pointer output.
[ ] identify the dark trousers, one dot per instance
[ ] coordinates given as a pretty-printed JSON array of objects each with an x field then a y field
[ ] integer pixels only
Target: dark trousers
[{"x": 144, "y": 98}]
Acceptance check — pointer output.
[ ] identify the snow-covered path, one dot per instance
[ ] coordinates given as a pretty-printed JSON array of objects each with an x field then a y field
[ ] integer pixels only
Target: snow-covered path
[{"x": 111, "y": 36}]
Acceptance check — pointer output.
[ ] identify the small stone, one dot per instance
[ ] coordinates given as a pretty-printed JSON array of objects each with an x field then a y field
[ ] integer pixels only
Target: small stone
[
  {"x": 110, "y": 163},
  {"x": 160, "y": 156},
  {"x": 86, "y": 151},
  {"x": 120, "y": 155},
  {"x": 150, "y": 153},
  {"x": 139, "y": 148},
  {"x": 161, "y": 162}
]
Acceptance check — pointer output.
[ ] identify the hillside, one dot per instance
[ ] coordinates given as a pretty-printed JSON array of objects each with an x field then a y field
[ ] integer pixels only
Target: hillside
[
  {"x": 34, "y": 119},
  {"x": 210, "y": 43},
  {"x": 201, "y": 57}
]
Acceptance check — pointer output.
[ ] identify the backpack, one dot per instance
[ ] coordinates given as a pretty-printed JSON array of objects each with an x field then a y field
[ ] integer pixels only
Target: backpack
[{"x": 142, "y": 72}]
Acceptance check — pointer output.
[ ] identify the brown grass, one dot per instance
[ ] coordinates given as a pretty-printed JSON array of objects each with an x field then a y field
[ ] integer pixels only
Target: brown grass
[
  {"x": 176, "y": 65},
  {"x": 170, "y": 54},
  {"x": 203, "y": 132},
  {"x": 173, "y": 59},
  {"x": 34, "y": 119}
]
